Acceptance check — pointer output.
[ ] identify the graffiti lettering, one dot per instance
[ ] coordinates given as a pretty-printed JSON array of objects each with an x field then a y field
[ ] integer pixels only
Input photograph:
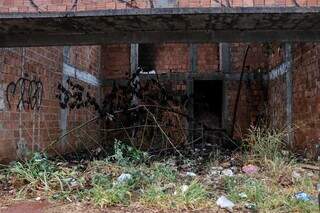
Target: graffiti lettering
[{"x": 29, "y": 93}]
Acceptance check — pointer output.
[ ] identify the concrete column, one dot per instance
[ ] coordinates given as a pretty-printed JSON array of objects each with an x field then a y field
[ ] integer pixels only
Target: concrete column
[
  {"x": 134, "y": 57},
  {"x": 190, "y": 87},
  {"x": 289, "y": 90},
  {"x": 64, "y": 112},
  {"x": 225, "y": 67}
]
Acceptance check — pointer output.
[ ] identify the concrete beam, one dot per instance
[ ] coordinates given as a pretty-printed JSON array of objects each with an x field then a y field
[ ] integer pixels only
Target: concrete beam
[
  {"x": 155, "y": 25},
  {"x": 183, "y": 77},
  {"x": 39, "y": 39},
  {"x": 163, "y": 11}
]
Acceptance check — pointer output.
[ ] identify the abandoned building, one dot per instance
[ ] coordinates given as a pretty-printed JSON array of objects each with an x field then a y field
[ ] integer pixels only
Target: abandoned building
[{"x": 238, "y": 63}]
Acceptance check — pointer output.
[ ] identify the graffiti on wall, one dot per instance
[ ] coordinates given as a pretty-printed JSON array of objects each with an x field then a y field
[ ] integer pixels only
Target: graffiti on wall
[
  {"x": 28, "y": 93},
  {"x": 73, "y": 95}
]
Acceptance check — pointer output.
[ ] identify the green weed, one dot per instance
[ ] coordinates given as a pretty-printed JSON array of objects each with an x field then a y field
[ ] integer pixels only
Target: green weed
[{"x": 117, "y": 194}]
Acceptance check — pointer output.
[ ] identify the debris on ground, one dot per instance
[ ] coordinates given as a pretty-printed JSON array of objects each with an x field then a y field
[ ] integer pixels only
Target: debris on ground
[
  {"x": 227, "y": 172},
  {"x": 250, "y": 169},
  {"x": 124, "y": 177},
  {"x": 250, "y": 206},
  {"x": 285, "y": 181},
  {"x": 296, "y": 175},
  {"x": 184, "y": 188},
  {"x": 165, "y": 183},
  {"x": 302, "y": 196},
  {"x": 191, "y": 174},
  {"x": 243, "y": 195},
  {"x": 225, "y": 203}
]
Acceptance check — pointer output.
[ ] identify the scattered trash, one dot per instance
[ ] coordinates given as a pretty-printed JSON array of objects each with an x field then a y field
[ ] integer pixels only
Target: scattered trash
[
  {"x": 250, "y": 206},
  {"x": 234, "y": 169},
  {"x": 243, "y": 195},
  {"x": 169, "y": 186},
  {"x": 285, "y": 181},
  {"x": 184, "y": 188},
  {"x": 296, "y": 175},
  {"x": 216, "y": 171},
  {"x": 310, "y": 174},
  {"x": 72, "y": 182},
  {"x": 124, "y": 177},
  {"x": 225, "y": 164},
  {"x": 285, "y": 152},
  {"x": 227, "y": 172},
  {"x": 38, "y": 198},
  {"x": 250, "y": 169},
  {"x": 225, "y": 203},
  {"x": 191, "y": 174},
  {"x": 302, "y": 196}
]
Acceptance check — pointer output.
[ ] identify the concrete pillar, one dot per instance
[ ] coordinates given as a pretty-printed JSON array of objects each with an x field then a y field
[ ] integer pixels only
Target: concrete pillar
[
  {"x": 190, "y": 88},
  {"x": 225, "y": 67},
  {"x": 289, "y": 90},
  {"x": 134, "y": 57},
  {"x": 64, "y": 112}
]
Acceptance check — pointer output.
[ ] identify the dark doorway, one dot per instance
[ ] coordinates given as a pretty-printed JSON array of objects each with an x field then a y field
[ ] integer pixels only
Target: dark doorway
[
  {"x": 146, "y": 57},
  {"x": 208, "y": 109}
]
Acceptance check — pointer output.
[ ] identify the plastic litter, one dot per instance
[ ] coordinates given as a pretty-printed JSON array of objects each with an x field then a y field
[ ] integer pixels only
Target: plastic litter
[
  {"x": 296, "y": 175},
  {"x": 191, "y": 174},
  {"x": 243, "y": 195},
  {"x": 250, "y": 169},
  {"x": 184, "y": 188},
  {"x": 227, "y": 172},
  {"x": 124, "y": 177},
  {"x": 250, "y": 206},
  {"x": 302, "y": 196},
  {"x": 225, "y": 203}
]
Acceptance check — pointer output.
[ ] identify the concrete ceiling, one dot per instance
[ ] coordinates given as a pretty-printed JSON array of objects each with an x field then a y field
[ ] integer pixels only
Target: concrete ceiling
[{"x": 160, "y": 25}]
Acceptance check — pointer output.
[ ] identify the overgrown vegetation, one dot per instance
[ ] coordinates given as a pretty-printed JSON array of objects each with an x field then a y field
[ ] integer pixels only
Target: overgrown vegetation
[
  {"x": 265, "y": 143},
  {"x": 130, "y": 176}
]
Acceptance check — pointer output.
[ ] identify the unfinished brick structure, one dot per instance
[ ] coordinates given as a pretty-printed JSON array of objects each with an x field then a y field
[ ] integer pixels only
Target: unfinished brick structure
[{"x": 281, "y": 82}]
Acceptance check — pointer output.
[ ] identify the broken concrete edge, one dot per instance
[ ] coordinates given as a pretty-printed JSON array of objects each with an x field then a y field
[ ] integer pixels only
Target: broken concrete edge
[{"x": 161, "y": 11}]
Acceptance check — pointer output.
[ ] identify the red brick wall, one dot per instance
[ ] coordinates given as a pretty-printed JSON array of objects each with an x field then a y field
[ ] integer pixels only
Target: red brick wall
[
  {"x": 256, "y": 58},
  {"x": 68, "y": 5},
  {"x": 208, "y": 58},
  {"x": 37, "y": 128},
  {"x": 306, "y": 101},
  {"x": 115, "y": 61},
  {"x": 306, "y": 96},
  {"x": 175, "y": 57},
  {"x": 277, "y": 102},
  {"x": 172, "y": 57}
]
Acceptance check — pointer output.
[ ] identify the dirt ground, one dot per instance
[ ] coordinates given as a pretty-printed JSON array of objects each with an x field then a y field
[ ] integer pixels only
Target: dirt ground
[{"x": 9, "y": 205}]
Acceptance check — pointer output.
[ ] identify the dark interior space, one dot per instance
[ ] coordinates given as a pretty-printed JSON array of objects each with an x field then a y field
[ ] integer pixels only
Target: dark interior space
[
  {"x": 208, "y": 109},
  {"x": 146, "y": 56}
]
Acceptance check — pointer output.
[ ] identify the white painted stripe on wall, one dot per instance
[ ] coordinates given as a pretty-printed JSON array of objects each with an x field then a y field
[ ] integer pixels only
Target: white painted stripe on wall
[
  {"x": 81, "y": 75},
  {"x": 278, "y": 71}
]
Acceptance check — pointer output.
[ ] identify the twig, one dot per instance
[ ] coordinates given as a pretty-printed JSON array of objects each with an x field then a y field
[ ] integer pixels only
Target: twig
[
  {"x": 168, "y": 139},
  {"x": 70, "y": 131},
  {"x": 94, "y": 140}
]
